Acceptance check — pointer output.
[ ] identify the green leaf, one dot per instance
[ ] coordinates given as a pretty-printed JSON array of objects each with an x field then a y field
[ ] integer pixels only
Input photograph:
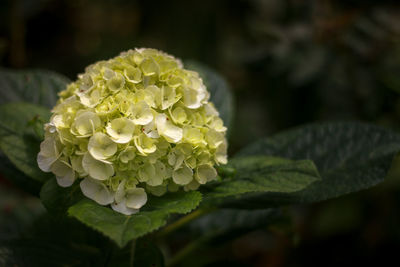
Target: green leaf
[
  {"x": 58, "y": 199},
  {"x": 33, "y": 86},
  {"x": 234, "y": 219},
  {"x": 55, "y": 241},
  {"x": 121, "y": 228},
  {"x": 257, "y": 176},
  {"x": 20, "y": 138},
  {"x": 17, "y": 177},
  {"x": 219, "y": 89},
  {"x": 349, "y": 156}
]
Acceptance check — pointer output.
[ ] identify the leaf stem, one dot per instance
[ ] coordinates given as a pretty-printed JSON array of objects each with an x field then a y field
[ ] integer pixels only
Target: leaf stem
[{"x": 181, "y": 222}]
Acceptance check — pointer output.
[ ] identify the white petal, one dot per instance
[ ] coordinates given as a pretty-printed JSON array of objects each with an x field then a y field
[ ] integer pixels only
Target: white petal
[
  {"x": 141, "y": 113},
  {"x": 144, "y": 144},
  {"x": 146, "y": 172},
  {"x": 97, "y": 169},
  {"x": 183, "y": 175},
  {"x": 48, "y": 148},
  {"x": 45, "y": 162},
  {"x": 150, "y": 130},
  {"x": 76, "y": 163},
  {"x": 136, "y": 198},
  {"x": 120, "y": 194},
  {"x": 121, "y": 130},
  {"x": 122, "y": 208},
  {"x": 101, "y": 146},
  {"x": 65, "y": 174},
  {"x": 96, "y": 191},
  {"x": 165, "y": 128},
  {"x": 205, "y": 173},
  {"x": 87, "y": 122},
  {"x": 192, "y": 98}
]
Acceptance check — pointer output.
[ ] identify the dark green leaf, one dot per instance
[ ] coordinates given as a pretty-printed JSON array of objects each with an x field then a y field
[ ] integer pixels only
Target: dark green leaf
[
  {"x": 219, "y": 89},
  {"x": 121, "y": 228},
  {"x": 58, "y": 199},
  {"x": 33, "y": 86},
  {"x": 225, "y": 220},
  {"x": 257, "y": 176},
  {"x": 349, "y": 156},
  {"x": 20, "y": 139},
  {"x": 17, "y": 177},
  {"x": 55, "y": 241}
]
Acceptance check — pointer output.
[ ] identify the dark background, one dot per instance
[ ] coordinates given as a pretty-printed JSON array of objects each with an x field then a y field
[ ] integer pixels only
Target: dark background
[{"x": 289, "y": 62}]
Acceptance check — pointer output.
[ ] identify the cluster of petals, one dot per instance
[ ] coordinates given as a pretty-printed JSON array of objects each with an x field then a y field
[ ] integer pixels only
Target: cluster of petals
[{"x": 138, "y": 123}]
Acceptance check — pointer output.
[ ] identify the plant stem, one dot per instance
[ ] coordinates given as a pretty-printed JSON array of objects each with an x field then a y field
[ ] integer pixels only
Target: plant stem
[
  {"x": 181, "y": 222},
  {"x": 133, "y": 246}
]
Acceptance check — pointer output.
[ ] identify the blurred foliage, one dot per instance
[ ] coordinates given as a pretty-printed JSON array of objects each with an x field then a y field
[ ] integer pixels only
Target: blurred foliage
[{"x": 289, "y": 62}]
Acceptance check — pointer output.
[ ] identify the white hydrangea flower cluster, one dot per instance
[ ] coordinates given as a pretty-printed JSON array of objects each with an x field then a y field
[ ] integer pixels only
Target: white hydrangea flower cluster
[{"x": 138, "y": 123}]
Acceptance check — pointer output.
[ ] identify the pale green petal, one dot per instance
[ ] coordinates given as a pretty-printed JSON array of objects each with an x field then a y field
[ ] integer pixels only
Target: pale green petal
[
  {"x": 127, "y": 155},
  {"x": 144, "y": 144},
  {"x": 141, "y": 113},
  {"x": 221, "y": 153},
  {"x": 149, "y": 67},
  {"x": 136, "y": 198},
  {"x": 172, "y": 187},
  {"x": 45, "y": 163},
  {"x": 65, "y": 175},
  {"x": 183, "y": 176},
  {"x": 205, "y": 173},
  {"x": 175, "y": 81},
  {"x": 210, "y": 109},
  {"x": 193, "y": 135},
  {"x": 157, "y": 190},
  {"x": 101, "y": 146},
  {"x": 147, "y": 172},
  {"x": 168, "y": 97},
  {"x": 158, "y": 174},
  {"x": 133, "y": 75},
  {"x": 108, "y": 73},
  {"x": 76, "y": 162},
  {"x": 193, "y": 98},
  {"x": 214, "y": 138},
  {"x": 193, "y": 185},
  {"x": 58, "y": 121},
  {"x": 120, "y": 193},
  {"x": 150, "y": 130},
  {"x": 179, "y": 160},
  {"x": 218, "y": 125},
  {"x": 96, "y": 191},
  {"x": 116, "y": 83},
  {"x": 121, "y": 130},
  {"x": 166, "y": 129},
  {"x": 49, "y": 153},
  {"x": 97, "y": 169},
  {"x": 179, "y": 115},
  {"x": 87, "y": 123}
]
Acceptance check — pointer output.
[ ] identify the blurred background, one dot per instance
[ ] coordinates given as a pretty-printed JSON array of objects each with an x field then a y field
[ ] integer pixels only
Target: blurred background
[{"x": 288, "y": 62}]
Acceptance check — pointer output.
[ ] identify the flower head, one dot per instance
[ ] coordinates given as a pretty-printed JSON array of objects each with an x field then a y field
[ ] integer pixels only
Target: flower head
[{"x": 138, "y": 123}]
